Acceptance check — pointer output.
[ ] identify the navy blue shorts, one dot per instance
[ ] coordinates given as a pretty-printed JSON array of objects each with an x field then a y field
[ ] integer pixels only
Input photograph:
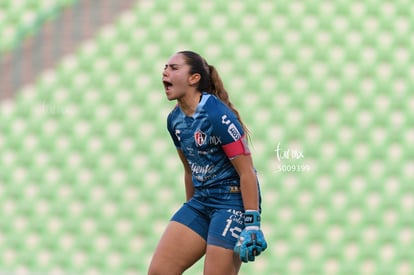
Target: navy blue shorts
[{"x": 215, "y": 214}]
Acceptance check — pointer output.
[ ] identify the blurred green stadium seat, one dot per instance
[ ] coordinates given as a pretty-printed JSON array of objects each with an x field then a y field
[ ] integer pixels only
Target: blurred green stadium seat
[{"x": 89, "y": 176}]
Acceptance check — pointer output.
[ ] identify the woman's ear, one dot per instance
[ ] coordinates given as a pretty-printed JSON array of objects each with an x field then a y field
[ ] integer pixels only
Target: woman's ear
[{"x": 194, "y": 79}]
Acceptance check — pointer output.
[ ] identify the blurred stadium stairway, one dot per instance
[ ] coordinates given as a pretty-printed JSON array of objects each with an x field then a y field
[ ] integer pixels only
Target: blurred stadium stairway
[{"x": 55, "y": 38}]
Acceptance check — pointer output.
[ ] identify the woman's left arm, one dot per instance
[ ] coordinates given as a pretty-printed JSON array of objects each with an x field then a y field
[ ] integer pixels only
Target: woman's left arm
[
  {"x": 251, "y": 241},
  {"x": 248, "y": 181}
]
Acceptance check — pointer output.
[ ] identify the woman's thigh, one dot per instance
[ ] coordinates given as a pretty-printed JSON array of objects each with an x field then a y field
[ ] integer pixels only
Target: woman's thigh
[
  {"x": 178, "y": 249},
  {"x": 224, "y": 230},
  {"x": 221, "y": 261}
]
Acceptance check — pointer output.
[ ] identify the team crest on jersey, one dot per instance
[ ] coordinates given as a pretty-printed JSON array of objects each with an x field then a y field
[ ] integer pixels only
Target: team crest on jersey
[{"x": 200, "y": 137}]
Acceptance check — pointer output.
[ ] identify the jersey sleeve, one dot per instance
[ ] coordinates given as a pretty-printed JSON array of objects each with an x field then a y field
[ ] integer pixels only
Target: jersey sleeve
[
  {"x": 229, "y": 130},
  {"x": 173, "y": 135}
]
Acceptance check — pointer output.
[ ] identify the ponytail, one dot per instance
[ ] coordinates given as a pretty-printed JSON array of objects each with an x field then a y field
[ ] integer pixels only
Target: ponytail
[
  {"x": 210, "y": 81},
  {"x": 217, "y": 89}
]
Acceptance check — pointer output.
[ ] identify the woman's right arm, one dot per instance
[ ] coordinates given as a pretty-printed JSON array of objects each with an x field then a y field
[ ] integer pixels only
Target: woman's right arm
[{"x": 189, "y": 187}]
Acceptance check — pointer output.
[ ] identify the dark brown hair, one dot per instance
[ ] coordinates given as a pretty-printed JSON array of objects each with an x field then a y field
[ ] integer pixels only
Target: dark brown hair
[{"x": 210, "y": 80}]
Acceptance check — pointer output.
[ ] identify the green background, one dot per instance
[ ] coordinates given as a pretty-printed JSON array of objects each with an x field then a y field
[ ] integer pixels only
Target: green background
[{"x": 89, "y": 176}]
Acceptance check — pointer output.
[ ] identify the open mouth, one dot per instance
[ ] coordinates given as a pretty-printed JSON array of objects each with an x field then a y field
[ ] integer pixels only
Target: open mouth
[{"x": 167, "y": 85}]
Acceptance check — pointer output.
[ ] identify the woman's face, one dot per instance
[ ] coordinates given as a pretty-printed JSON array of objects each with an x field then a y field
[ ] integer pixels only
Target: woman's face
[{"x": 176, "y": 77}]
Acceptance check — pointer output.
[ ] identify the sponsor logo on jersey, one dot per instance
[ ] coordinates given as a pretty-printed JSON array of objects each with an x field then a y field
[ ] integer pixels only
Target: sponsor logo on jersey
[
  {"x": 200, "y": 137},
  {"x": 235, "y": 212},
  {"x": 215, "y": 140},
  {"x": 234, "y": 189},
  {"x": 237, "y": 216},
  {"x": 177, "y": 134},
  {"x": 234, "y": 133},
  {"x": 201, "y": 169}
]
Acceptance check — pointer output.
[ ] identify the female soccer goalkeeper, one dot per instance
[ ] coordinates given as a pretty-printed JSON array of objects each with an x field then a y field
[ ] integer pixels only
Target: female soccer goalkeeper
[{"x": 221, "y": 217}]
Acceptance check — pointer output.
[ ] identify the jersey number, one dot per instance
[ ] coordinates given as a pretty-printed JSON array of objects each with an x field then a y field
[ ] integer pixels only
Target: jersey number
[{"x": 235, "y": 231}]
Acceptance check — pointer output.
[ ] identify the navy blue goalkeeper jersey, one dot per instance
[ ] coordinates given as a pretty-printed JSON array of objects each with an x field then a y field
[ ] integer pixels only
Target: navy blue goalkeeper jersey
[{"x": 209, "y": 139}]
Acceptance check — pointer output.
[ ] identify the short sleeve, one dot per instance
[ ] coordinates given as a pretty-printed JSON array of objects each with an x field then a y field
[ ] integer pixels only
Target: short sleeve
[
  {"x": 229, "y": 130},
  {"x": 172, "y": 132}
]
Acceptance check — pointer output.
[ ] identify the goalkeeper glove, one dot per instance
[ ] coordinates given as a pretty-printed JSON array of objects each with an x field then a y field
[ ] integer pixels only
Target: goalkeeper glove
[{"x": 251, "y": 241}]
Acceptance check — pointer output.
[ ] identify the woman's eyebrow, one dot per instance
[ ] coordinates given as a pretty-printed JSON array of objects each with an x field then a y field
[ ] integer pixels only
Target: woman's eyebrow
[{"x": 173, "y": 65}]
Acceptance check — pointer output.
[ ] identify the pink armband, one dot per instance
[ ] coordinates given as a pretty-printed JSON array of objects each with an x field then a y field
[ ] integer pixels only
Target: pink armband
[{"x": 238, "y": 147}]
